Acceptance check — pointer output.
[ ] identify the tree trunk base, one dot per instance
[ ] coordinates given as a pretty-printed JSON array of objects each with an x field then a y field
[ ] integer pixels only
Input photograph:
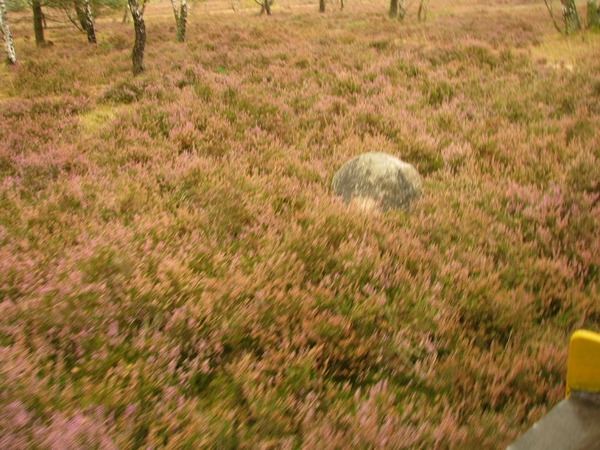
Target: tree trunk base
[
  {"x": 137, "y": 55},
  {"x": 393, "y": 13},
  {"x": 38, "y": 24},
  {"x": 11, "y": 56},
  {"x": 593, "y": 15},
  {"x": 570, "y": 16}
]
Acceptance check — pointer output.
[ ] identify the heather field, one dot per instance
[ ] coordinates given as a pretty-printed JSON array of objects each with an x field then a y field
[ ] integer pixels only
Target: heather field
[{"x": 175, "y": 272}]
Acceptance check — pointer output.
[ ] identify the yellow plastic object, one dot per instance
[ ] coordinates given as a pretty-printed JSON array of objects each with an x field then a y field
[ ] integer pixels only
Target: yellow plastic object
[{"x": 583, "y": 368}]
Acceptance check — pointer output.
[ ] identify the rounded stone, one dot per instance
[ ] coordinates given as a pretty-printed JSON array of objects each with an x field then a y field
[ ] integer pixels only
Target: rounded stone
[{"x": 377, "y": 180}]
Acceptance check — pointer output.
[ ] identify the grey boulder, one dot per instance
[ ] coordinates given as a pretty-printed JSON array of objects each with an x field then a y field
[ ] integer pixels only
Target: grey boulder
[{"x": 377, "y": 180}]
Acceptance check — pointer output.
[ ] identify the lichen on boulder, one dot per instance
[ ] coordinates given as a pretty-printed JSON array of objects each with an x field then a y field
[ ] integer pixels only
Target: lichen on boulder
[{"x": 377, "y": 180}]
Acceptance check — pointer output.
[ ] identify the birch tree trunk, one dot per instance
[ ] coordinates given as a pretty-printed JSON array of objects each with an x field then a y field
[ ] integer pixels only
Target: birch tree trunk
[
  {"x": 393, "y": 9},
  {"x": 175, "y": 12},
  {"x": 182, "y": 22},
  {"x": 593, "y": 14},
  {"x": 180, "y": 19},
  {"x": 80, "y": 13},
  {"x": 401, "y": 10},
  {"x": 38, "y": 26},
  {"x": 570, "y": 16},
  {"x": 264, "y": 6},
  {"x": 422, "y": 13},
  {"x": 89, "y": 23},
  {"x": 551, "y": 11},
  {"x": 137, "y": 55},
  {"x": 11, "y": 56}
]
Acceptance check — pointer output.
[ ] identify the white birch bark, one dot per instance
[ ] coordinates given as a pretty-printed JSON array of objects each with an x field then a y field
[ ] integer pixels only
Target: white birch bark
[
  {"x": 89, "y": 23},
  {"x": 180, "y": 19},
  {"x": 175, "y": 12},
  {"x": 11, "y": 56},
  {"x": 570, "y": 16},
  {"x": 139, "y": 45}
]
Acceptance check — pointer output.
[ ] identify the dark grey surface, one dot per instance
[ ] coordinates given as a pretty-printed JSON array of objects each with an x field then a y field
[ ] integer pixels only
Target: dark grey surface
[{"x": 573, "y": 424}]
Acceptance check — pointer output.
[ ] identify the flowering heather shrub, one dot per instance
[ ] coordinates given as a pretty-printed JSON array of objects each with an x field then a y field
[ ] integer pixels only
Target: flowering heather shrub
[{"x": 174, "y": 271}]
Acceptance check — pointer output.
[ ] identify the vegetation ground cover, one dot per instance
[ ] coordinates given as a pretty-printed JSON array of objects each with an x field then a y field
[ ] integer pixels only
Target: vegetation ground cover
[{"x": 174, "y": 271}]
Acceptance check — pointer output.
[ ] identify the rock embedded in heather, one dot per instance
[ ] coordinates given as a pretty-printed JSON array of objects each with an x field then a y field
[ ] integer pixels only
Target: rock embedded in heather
[{"x": 377, "y": 180}]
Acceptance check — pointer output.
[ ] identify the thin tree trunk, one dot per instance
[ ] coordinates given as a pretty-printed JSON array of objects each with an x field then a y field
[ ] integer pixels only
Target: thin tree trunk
[
  {"x": 89, "y": 23},
  {"x": 175, "y": 11},
  {"x": 126, "y": 13},
  {"x": 593, "y": 14},
  {"x": 181, "y": 26},
  {"x": 321, "y": 5},
  {"x": 176, "y": 14},
  {"x": 401, "y": 10},
  {"x": 570, "y": 16},
  {"x": 342, "y": 4},
  {"x": 79, "y": 11},
  {"x": 264, "y": 6},
  {"x": 11, "y": 56},
  {"x": 422, "y": 13},
  {"x": 137, "y": 55},
  {"x": 38, "y": 27},
  {"x": 393, "y": 9},
  {"x": 551, "y": 11},
  {"x": 180, "y": 19}
]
